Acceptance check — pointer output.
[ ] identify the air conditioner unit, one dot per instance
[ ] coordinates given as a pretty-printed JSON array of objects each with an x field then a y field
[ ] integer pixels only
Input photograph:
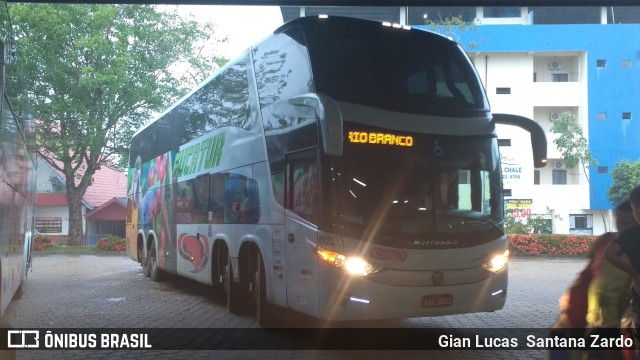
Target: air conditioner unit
[
  {"x": 558, "y": 165},
  {"x": 554, "y": 116},
  {"x": 555, "y": 65}
]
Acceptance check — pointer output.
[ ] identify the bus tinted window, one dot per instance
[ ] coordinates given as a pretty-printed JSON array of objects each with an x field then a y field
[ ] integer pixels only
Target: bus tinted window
[
  {"x": 222, "y": 101},
  {"x": 302, "y": 184},
  {"x": 409, "y": 71},
  {"x": 282, "y": 67}
]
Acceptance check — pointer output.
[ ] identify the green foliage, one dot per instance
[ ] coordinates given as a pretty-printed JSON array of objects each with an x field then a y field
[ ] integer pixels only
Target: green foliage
[
  {"x": 514, "y": 226},
  {"x": 574, "y": 148},
  {"x": 571, "y": 142},
  {"x": 95, "y": 74},
  {"x": 112, "y": 243},
  {"x": 451, "y": 27},
  {"x": 548, "y": 244},
  {"x": 64, "y": 241},
  {"x": 536, "y": 224},
  {"x": 626, "y": 176}
]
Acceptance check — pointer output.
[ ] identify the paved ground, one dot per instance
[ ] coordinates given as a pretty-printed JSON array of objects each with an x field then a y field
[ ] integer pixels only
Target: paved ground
[{"x": 89, "y": 291}]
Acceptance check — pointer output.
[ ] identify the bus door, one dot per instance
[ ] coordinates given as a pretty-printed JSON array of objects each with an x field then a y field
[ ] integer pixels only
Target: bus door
[{"x": 301, "y": 231}]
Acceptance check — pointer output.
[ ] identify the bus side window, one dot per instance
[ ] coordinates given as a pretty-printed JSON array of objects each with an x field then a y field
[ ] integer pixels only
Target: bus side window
[
  {"x": 192, "y": 201},
  {"x": 241, "y": 200},
  {"x": 302, "y": 184},
  {"x": 216, "y": 197}
]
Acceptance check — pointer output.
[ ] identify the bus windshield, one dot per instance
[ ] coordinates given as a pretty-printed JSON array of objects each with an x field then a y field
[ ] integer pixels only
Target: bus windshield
[
  {"x": 437, "y": 79},
  {"x": 431, "y": 190}
]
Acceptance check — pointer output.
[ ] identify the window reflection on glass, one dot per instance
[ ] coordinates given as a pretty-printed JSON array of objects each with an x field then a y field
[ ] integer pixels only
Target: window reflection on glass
[
  {"x": 303, "y": 187},
  {"x": 241, "y": 200},
  {"x": 192, "y": 204}
]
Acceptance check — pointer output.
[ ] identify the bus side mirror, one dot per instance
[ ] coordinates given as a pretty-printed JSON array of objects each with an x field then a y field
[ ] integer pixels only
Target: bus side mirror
[
  {"x": 538, "y": 138},
  {"x": 330, "y": 119}
]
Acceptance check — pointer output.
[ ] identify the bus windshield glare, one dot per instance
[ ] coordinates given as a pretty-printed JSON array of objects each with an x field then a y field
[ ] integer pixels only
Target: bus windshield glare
[{"x": 409, "y": 190}]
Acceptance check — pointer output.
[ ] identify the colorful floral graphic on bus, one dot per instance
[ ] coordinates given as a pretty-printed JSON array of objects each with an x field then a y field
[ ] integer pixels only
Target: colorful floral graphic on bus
[
  {"x": 195, "y": 249},
  {"x": 155, "y": 199}
]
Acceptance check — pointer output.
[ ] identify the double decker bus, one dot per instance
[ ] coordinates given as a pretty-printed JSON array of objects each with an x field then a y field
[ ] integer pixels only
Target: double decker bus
[
  {"x": 17, "y": 192},
  {"x": 342, "y": 168}
]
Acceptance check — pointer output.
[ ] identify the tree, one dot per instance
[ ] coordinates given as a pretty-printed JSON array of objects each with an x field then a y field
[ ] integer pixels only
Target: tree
[
  {"x": 536, "y": 224},
  {"x": 94, "y": 74},
  {"x": 625, "y": 176},
  {"x": 574, "y": 148},
  {"x": 450, "y": 26}
]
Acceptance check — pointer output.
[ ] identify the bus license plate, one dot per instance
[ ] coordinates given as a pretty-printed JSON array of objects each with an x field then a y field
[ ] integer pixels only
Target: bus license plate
[{"x": 437, "y": 300}]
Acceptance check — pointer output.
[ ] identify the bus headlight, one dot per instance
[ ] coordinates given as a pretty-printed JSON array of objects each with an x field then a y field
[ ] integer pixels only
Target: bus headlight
[
  {"x": 353, "y": 265},
  {"x": 497, "y": 262}
]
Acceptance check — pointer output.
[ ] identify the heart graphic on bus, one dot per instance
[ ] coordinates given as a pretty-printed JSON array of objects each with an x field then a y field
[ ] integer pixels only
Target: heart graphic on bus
[{"x": 195, "y": 249}]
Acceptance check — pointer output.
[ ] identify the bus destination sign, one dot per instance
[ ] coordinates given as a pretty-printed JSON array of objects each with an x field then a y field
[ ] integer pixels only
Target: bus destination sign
[{"x": 363, "y": 137}]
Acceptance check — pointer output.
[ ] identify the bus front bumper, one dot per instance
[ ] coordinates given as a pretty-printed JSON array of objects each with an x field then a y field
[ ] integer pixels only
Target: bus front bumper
[{"x": 346, "y": 297}]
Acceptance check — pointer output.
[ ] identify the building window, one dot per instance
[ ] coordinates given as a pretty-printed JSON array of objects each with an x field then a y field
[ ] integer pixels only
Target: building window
[
  {"x": 559, "y": 177},
  {"x": 603, "y": 169},
  {"x": 503, "y": 90},
  {"x": 625, "y": 64},
  {"x": 581, "y": 224},
  {"x": 601, "y": 63},
  {"x": 560, "y": 77},
  {"x": 602, "y": 116},
  {"x": 626, "y": 116},
  {"x": 536, "y": 177},
  {"x": 501, "y": 12},
  {"x": 464, "y": 177}
]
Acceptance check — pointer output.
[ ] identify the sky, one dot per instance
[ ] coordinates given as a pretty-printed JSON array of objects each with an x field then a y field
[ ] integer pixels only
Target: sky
[{"x": 242, "y": 25}]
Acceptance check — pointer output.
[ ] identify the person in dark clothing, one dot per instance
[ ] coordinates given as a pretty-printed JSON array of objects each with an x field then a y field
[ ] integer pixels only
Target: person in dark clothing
[
  {"x": 627, "y": 245},
  {"x": 598, "y": 298}
]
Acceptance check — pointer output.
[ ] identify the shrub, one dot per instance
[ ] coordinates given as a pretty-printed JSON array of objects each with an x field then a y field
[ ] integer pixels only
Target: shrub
[
  {"x": 550, "y": 244},
  {"x": 64, "y": 241},
  {"x": 112, "y": 243},
  {"x": 41, "y": 242}
]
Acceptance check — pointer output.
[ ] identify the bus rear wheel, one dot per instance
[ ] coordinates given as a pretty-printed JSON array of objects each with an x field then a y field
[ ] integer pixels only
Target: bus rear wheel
[
  {"x": 140, "y": 255},
  {"x": 266, "y": 313},
  {"x": 146, "y": 265},
  {"x": 234, "y": 300},
  {"x": 155, "y": 272},
  {"x": 218, "y": 275}
]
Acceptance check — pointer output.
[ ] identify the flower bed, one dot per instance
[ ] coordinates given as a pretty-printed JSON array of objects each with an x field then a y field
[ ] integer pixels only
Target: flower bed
[
  {"x": 549, "y": 244},
  {"x": 42, "y": 242},
  {"x": 113, "y": 243}
]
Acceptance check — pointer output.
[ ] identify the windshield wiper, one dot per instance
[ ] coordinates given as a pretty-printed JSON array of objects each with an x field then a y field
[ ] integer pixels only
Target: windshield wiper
[{"x": 463, "y": 216}]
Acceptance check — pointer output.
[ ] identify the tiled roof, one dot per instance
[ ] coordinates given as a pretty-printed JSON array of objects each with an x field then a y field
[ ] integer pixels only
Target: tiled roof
[
  {"x": 113, "y": 209},
  {"x": 107, "y": 184}
]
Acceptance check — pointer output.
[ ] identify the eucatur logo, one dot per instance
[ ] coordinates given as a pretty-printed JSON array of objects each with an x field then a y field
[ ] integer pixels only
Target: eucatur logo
[{"x": 194, "y": 248}]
